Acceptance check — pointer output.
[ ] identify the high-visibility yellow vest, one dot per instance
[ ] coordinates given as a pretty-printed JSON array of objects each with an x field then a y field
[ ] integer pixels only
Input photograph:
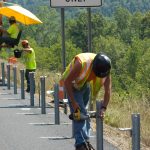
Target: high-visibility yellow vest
[
  {"x": 29, "y": 59},
  {"x": 13, "y": 30},
  {"x": 95, "y": 86}
]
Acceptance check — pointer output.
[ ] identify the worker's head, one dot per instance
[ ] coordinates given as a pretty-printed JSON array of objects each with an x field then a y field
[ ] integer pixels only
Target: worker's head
[
  {"x": 101, "y": 65},
  {"x": 12, "y": 20},
  {"x": 25, "y": 43}
]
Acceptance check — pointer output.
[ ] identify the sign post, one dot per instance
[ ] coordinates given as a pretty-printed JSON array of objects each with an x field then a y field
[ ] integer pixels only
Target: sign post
[
  {"x": 89, "y": 30},
  {"x": 63, "y": 38}
]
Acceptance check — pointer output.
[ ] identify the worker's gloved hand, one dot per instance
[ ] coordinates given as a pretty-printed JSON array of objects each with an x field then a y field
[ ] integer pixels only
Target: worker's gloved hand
[
  {"x": 75, "y": 115},
  {"x": 102, "y": 110},
  {"x": 102, "y": 113},
  {"x": 79, "y": 116}
]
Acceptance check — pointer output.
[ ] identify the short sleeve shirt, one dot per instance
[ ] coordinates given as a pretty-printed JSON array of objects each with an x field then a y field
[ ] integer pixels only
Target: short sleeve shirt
[{"x": 13, "y": 30}]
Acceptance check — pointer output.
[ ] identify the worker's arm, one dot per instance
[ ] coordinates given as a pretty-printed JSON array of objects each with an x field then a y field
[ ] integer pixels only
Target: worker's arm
[
  {"x": 27, "y": 50},
  {"x": 107, "y": 89},
  {"x": 107, "y": 94},
  {"x": 69, "y": 85}
]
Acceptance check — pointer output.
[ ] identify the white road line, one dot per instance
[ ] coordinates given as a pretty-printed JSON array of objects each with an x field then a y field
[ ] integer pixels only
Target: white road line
[
  {"x": 56, "y": 138},
  {"x": 25, "y": 108},
  {"x": 27, "y": 114},
  {"x": 44, "y": 123}
]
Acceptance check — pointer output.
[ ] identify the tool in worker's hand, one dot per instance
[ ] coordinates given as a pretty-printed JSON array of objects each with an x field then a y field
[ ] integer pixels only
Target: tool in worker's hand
[{"x": 78, "y": 116}]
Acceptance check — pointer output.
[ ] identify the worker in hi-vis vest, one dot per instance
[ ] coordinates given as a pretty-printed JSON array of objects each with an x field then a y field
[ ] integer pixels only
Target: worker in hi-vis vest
[
  {"x": 30, "y": 62},
  {"x": 86, "y": 69}
]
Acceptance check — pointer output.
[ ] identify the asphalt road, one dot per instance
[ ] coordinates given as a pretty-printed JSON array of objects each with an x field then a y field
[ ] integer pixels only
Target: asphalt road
[{"x": 24, "y": 128}]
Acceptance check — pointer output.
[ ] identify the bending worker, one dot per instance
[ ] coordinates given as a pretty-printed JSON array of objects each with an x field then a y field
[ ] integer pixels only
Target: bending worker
[
  {"x": 83, "y": 69},
  {"x": 30, "y": 63}
]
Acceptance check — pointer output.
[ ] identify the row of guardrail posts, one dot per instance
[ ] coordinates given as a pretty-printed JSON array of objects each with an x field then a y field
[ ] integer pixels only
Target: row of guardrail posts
[
  {"x": 56, "y": 100},
  {"x": 135, "y": 130}
]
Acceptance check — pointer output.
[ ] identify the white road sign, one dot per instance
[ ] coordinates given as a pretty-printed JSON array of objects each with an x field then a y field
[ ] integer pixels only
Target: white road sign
[{"x": 75, "y": 3}]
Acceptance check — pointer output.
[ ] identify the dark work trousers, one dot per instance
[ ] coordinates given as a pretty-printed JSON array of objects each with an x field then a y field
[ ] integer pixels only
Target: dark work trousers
[
  {"x": 7, "y": 40},
  {"x": 28, "y": 78}
]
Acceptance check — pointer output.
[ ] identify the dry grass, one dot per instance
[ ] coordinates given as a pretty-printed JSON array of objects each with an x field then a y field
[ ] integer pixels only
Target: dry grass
[
  {"x": 119, "y": 115},
  {"x": 50, "y": 78}
]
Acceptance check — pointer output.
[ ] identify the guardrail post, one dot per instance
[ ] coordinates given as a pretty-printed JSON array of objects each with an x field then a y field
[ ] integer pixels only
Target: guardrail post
[
  {"x": 135, "y": 131},
  {"x": 56, "y": 103},
  {"x": 99, "y": 127},
  {"x": 32, "y": 88},
  {"x": 3, "y": 73},
  {"x": 8, "y": 76},
  {"x": 15, "y": 79},
  {"x": 42, "y": 80},
  {"x": 22, "y": 84}
]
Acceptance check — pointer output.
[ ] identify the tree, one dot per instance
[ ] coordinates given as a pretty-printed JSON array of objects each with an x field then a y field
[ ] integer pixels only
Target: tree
[
  {"x": 145, "y": 26},
  {"x": 122, "y": 17},
  {"x": 50, "y": 27},
  {"x": 136, "y": 24},
  {"x": 77, "y": 31}
]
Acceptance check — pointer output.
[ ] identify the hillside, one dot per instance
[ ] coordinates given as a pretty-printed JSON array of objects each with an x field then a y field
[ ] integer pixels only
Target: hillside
[{"x": 107, "y": 8}]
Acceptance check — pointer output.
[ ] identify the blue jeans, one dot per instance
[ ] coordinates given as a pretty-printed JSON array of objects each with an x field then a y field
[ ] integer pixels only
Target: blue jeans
[{"x": 81, "y": 128}]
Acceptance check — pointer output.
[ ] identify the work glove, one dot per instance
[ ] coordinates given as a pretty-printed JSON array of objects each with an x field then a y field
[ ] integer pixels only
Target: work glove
[{"x": 76, "y": 115}]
